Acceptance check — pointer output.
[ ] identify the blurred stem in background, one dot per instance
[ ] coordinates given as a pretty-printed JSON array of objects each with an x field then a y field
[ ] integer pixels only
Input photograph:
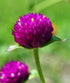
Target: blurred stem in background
[
  {"x": 45, "y": 4},
  {"x": 36, "y": 55}
]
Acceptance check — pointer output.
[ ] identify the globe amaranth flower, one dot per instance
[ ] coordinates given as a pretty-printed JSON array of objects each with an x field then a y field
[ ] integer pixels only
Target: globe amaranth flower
[
  {"x": 32, "y": 30},
  {"x": 14, "y": 72}
]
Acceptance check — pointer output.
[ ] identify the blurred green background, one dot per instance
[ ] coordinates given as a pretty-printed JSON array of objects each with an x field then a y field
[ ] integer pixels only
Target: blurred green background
[{"x": 55, "y": 58}]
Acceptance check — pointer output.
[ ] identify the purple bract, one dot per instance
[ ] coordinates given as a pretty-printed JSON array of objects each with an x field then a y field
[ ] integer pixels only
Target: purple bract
[
  {"x": 14, "y": 72},
  {"x": 32, "y": 30}
]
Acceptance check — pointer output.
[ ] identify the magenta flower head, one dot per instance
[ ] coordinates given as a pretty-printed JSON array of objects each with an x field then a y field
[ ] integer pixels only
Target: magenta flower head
[
  {"x": 14, "y": 72},
  {"x": 32, "y": 30}
]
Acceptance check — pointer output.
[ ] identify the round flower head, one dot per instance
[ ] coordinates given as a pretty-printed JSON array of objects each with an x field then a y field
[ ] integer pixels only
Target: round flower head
[
  {"x": 32, "y": 30},
  {"x": 14, "y": 72}
]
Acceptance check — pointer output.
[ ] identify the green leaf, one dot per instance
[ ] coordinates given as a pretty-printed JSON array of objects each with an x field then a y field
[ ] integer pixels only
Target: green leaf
[
  {"x": 33, "y": 74},
  {"x": 53, "y": 39},
  {"x": 13, "y": 47},
  {"x": 44, "y": 4}
]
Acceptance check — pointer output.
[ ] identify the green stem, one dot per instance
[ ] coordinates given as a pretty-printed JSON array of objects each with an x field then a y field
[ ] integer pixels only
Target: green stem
[{"x": 36, "y": 55}]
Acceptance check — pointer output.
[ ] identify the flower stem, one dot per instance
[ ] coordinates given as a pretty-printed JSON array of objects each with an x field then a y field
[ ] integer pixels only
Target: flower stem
[
  {"x": 36, "y": 55},
  {"x": 39, "y": 7}
]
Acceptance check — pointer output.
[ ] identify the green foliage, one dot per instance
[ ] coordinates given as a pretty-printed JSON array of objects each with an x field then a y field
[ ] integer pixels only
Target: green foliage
[
  {"x": 33, "y": 74},
  {"x": 53, "y": 39}
]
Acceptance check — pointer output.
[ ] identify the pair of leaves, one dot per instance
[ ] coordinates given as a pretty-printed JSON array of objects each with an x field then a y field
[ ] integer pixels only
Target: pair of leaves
[{"x": 53, "y": 39}]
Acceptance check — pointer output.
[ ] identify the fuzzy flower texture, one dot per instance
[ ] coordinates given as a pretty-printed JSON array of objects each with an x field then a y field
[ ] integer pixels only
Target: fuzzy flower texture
[
  {"x": 32, "y": 30},
  {"x": 14, "y": 72}
]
